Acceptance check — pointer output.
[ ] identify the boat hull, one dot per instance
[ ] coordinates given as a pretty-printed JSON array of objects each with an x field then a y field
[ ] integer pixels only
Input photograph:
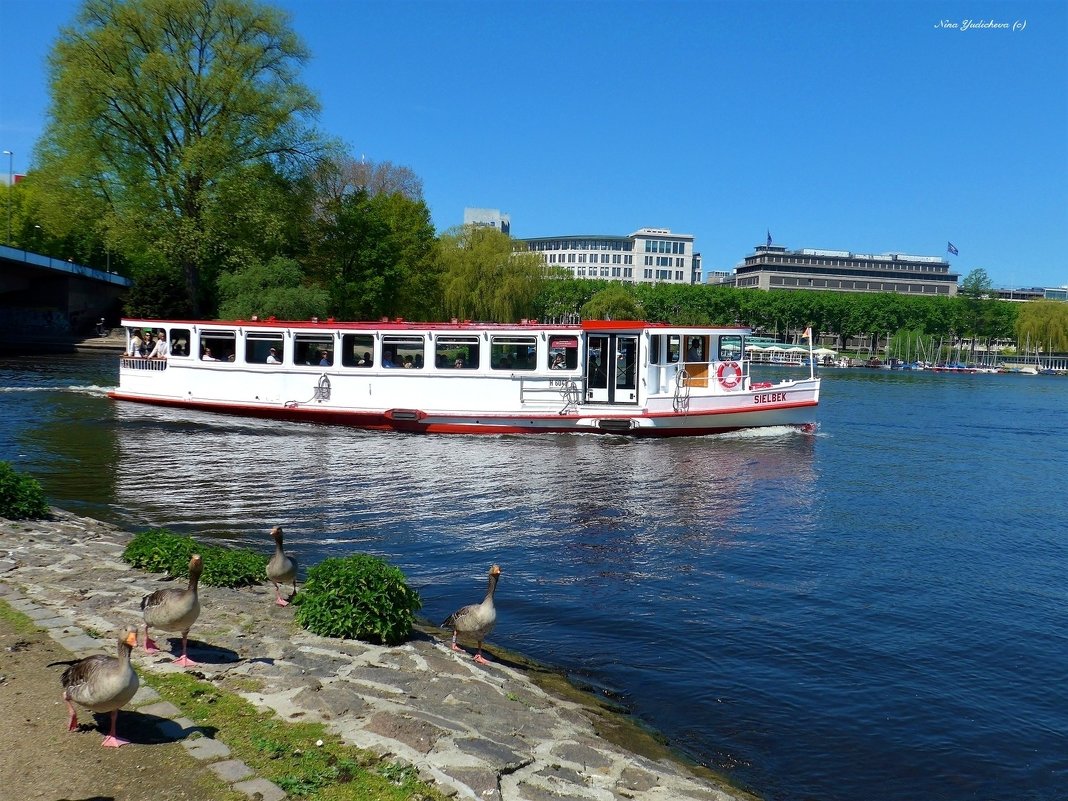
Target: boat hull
[{"x": 591, "y": 420}]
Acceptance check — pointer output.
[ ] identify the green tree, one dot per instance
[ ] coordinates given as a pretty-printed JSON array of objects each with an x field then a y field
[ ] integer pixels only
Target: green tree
[
  {"x": 614, "y": 302},
  {"x": 485, "y": 278},
  {"x": 163, "y": 113},
  {"x": 1042, "y": 324},
  {"x": 373, "y": 253},
  {"x": 273, "y": 289},
  {"x": 976, "y": 284}
]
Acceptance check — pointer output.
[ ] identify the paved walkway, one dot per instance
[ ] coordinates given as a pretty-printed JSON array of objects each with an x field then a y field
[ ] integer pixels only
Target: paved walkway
[{"x": 487, "y": 733}]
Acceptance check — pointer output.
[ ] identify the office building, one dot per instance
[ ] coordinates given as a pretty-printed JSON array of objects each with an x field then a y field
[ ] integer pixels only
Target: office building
[
  {"x": 775, "y": 267},
  {"x": 647, "y": 256}
]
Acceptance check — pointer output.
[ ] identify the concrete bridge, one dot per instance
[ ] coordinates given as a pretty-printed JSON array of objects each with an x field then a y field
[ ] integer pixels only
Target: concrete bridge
[{"x": 48, "y": 301}]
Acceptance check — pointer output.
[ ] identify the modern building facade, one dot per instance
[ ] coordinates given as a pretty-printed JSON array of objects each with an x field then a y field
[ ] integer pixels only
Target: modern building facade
[
  {"x": 775, "y": 267},
  {"x": 647, "y": 256}
]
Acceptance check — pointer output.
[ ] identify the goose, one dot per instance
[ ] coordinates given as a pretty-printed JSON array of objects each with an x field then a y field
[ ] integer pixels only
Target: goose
[
  {"x": 476, "y": 620},
  {"x": 282, "y": 568},
  {"x": 103, "y": 684},
  {"x": 174, "y": 610}
]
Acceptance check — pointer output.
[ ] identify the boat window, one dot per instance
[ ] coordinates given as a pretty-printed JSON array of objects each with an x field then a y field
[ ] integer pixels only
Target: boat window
[
  {"x": 313, "y": 349},
  {"x": 513, "y": 353},
  {"x": 357, "y": 350},
  {"x": 654, "y": 349},
  {"x": 218, "y": 346},
  {"x": 674, "y": 348},
  {"x": 566, "y": 347},
  {"x": 730, "y": 347},
  {"x": 179, "y": 342},
  {"x": 264, "y": 348},
  {"x": 696, "y": 348},
  {"x": 453, "y": 352},
  {"x": 403, "y": 351}
]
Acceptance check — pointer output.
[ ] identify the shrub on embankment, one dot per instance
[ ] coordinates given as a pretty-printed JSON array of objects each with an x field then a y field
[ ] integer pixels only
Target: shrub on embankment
[
  {"x": 161, "y": 551},
  {"x": 21, "y": 497},
  {"x": 358, "y": 597}
]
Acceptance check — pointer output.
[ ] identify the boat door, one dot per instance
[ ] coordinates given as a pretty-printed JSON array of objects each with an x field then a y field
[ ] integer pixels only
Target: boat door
[{"x": 611, "y": 368}]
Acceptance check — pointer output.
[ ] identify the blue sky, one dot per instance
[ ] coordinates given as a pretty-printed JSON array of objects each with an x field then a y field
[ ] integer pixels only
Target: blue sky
[{"x": 866, "y": 126}]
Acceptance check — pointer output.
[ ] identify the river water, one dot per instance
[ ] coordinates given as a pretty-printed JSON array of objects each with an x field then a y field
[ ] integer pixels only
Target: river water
[{"x": 876, "y": 612}]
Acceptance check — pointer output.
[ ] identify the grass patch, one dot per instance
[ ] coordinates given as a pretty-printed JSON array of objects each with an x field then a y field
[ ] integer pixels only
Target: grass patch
[
  {"x": 287, "y": 753},
  {"x": 20, "y": 622}
]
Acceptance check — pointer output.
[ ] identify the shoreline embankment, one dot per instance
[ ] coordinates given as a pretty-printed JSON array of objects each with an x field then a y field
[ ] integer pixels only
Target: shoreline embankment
[{"x": 512, "y": 731}]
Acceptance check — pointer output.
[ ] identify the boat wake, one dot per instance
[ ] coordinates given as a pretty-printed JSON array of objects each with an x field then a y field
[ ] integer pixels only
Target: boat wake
[
  {"x": 91, "y": 389},
  {"x": 767, "y": 432}
]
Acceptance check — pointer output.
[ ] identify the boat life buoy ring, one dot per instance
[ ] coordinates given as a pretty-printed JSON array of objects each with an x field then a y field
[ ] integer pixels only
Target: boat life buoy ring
[{"x": 729, "y": 375}]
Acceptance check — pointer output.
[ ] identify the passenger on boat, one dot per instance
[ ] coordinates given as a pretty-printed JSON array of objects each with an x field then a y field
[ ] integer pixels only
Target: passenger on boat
[
  {"x": 694, "y": 353},
  {"x": 325, "y": 360},
  {"x": 272, "y": 357},
  {"x": 207, "y": 357},
  {"x": 559, "y": 362},
  {"x": 365, "y": 361},
  {"x": 160, "y": 348},
  {"x": 408, "y": 363},
  {"x": 459, "y": 363},
  {"x": 136, "y": 344},
  {"x": 387, "y": 358}
]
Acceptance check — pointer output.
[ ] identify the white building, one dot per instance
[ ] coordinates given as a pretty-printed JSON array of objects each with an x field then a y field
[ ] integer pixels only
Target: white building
[{"x": 647, "y": 256}]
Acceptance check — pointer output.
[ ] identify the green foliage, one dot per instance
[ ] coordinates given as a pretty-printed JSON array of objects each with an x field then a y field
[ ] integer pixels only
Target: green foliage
[
  {"x": 360, "y": 597},
  {"x": 158, "y": 292},
  {"x": 372, "y": 252},
  {"x": 1042, "y": 325},
  {"x": 162, "y": 113},
  {"x": 21, "y": 497},
  {"x": 161, "y": 551},
  {"x": 483, "y": 278},
  {"x": 615, "y": 302},
  {"x": 273, "y": 289}
]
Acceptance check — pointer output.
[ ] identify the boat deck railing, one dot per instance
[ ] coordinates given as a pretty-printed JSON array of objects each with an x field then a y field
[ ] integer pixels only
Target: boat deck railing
[{"x": 142, "y": 363}]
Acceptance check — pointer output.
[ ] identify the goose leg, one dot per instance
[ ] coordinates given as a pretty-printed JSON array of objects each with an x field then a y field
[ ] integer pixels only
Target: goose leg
[
  {"x": 72, "y": 724},
  {"x": 479, "y": 657},
  {"x": 184, "y": 659},
  {"x": 278, "y": 599},
  {"x": 111, "y": 741},
  {"x": 455, "y": 647},
  {"x": 150, "y": 645}
]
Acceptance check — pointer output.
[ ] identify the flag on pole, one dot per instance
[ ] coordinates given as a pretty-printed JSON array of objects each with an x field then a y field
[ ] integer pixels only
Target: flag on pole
[
  {"x": 950, "y": 248},
  {"x": 808, "y": 333},
  {"x": 769, "y": 237}
]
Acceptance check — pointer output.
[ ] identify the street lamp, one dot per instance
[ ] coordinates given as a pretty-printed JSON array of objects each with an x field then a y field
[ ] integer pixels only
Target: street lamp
[{"x": 10, "y": 180}]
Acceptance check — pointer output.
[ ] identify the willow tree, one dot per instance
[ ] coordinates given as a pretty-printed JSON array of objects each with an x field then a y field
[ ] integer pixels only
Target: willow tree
[
  {"x": 172, "y": 120},
  {"x": 484, "y": 277},
  {"x": 1043, "y": 325}
]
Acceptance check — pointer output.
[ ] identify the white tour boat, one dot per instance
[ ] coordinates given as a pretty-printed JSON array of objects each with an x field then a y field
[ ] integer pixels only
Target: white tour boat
[{"x": 620, "y": 377}]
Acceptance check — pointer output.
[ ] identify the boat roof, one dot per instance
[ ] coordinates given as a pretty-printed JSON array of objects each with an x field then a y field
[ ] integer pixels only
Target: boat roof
[{"x": 399, "y": 324}]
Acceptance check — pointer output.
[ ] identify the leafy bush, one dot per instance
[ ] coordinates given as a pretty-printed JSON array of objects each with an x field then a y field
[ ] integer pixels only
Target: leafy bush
[
  {"x": 360, "y": 597},
  {"x": 21, "y": 497},
  {"x": 160, "y": 551}
]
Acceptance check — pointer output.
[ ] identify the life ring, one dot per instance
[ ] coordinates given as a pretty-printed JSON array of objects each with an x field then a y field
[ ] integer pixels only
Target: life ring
[{"x": 729, "y": 375}]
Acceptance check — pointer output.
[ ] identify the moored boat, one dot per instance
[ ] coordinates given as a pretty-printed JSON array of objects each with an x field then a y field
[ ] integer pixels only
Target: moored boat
[{"x": 621, "y": 377}]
